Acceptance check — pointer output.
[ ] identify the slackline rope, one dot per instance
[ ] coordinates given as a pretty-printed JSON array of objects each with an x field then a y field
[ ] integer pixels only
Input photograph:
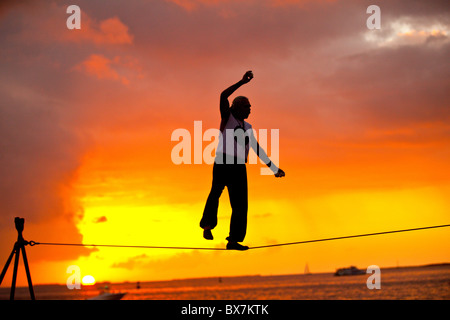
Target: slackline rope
[{"x": 32, "y": 243}]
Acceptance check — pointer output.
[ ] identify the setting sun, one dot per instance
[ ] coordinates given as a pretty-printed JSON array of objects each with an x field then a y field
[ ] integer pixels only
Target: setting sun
[{"x": 88, "y": 280}]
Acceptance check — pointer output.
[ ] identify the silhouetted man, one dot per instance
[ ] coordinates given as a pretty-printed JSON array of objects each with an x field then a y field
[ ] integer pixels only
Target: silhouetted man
[{"x": 229, "y": 166}]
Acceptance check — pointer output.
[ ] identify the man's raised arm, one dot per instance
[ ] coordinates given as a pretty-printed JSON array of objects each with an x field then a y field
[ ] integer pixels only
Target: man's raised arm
[{"x": 224, "y": 104}]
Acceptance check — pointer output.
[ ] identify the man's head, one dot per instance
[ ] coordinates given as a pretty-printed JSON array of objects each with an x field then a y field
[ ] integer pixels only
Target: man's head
[{"x": 241, "y": 107}]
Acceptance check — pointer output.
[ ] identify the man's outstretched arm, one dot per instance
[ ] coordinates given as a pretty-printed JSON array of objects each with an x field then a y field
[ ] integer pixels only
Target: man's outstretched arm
[
  {"x": 224, "y": 104},
  {"x": 264, "y": 157}
]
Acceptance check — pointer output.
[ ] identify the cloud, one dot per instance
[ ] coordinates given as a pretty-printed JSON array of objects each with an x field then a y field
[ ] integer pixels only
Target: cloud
[
  {"x": 51, "y": 19},
  {"x": 101, "y": 67},
  {"x": 6, "y": 5},
  {"x": 191, "y": 5},
  {"x": 383, "y": 87},
  {"x": 38, "y": 162},
  {"x": 101, "y": 219},
  {"x": 132, "y": 263},
  {"x": 108, "y": 31},
  {"x": 402, "y": 31},
  {"x": 112, "y": 30},
  {"x": 200, "y": 263}
]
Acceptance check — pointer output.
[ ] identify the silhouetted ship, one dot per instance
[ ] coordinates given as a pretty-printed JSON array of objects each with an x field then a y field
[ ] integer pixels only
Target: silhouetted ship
[
  {"x": 109, "y": 296},
  {"x": 351, "y": 271}
]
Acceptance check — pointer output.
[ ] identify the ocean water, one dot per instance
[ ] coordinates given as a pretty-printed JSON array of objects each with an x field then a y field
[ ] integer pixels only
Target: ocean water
[{"x": 411, "y": 283}]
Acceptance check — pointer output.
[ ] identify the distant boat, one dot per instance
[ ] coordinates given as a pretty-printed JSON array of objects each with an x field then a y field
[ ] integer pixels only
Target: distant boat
[
  {"x": 307, "y": 272},
  {"x": 351, "y": 271},
  {"x": 105, "y": 294}
]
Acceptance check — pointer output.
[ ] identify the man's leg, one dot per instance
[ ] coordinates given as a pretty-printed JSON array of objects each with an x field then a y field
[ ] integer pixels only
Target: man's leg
[
  {"x": 237, "y": 190},
  {"x": 209, "y": 219}
]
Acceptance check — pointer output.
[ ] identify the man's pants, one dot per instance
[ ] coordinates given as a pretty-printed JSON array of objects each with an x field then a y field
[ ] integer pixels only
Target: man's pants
[{"x": 234, "y": 177}]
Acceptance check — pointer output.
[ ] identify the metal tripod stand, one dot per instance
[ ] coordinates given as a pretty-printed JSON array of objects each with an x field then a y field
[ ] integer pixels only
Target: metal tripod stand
[{"x": 18, "y": 246}]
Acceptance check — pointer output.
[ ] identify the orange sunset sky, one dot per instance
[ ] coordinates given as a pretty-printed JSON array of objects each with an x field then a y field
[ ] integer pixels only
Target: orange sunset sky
[{"x": 86, "y": 118}]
